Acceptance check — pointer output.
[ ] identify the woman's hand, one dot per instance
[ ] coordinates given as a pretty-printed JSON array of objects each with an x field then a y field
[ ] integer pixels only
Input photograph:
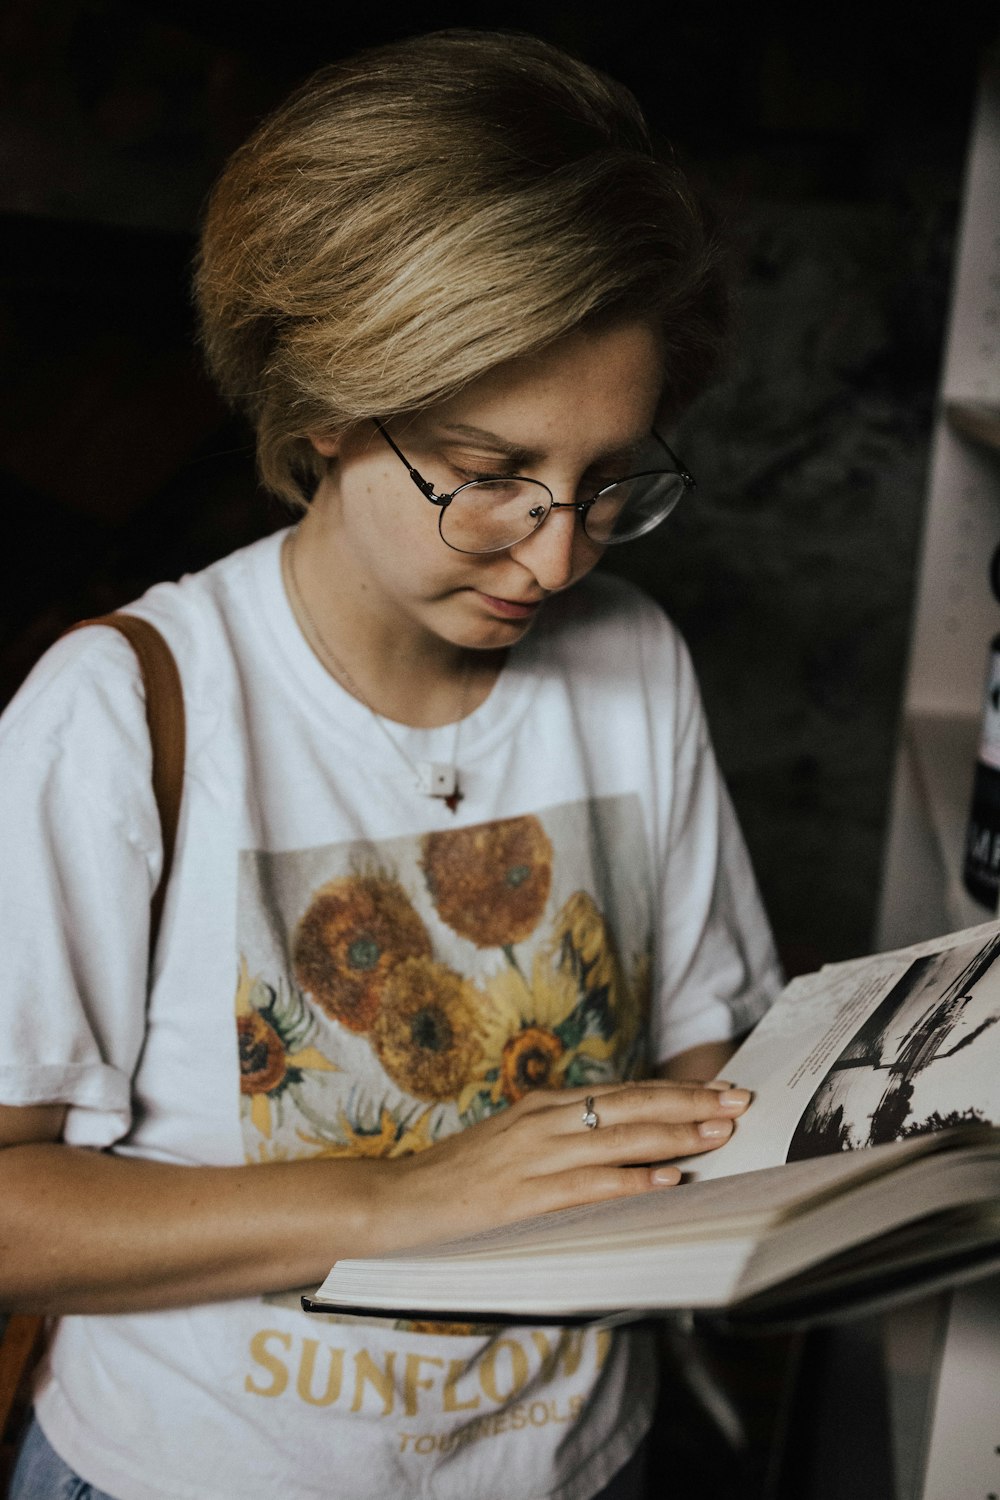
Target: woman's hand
[
  {"x": 87, "y": 1231},
  {"x": 540, "y": 1155}
]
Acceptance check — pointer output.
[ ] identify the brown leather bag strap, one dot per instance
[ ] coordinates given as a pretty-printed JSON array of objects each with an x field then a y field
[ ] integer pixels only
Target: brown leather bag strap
[
  {"x": 21, "y": 1342},
  {"x": 165, "y": 717},
  {"x": 20, "y": 1350}
]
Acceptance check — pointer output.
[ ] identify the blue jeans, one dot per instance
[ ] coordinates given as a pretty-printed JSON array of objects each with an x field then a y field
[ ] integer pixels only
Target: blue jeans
[{"x": 40, "y": 1474}]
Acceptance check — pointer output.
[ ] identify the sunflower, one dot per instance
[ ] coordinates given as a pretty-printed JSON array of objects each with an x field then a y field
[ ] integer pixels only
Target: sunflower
[
  {"x": 583, "y": 946},
  {"x": 490, "y": 883},
  {"x": 271, "y": 1027},
  {"x": 388, "y": 1136},
  {"x": 534, "y": 1034},
  {"x": 583, "y": 943},
  {"x": 263, "y": 1062},
  {"x": 426, "y": 1032},
  {"x": 530, "y": 1060},
  {"x": 354, "y": 932}
]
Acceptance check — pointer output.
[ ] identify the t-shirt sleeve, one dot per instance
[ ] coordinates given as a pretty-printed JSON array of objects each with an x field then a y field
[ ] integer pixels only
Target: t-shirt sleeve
[
  {"x": 81, "y": 858},
  {"x": 716, "y": 967}
]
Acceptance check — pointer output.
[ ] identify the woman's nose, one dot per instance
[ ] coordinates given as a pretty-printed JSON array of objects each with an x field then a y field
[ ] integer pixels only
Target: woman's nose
[{"x": 557, "y": 553}]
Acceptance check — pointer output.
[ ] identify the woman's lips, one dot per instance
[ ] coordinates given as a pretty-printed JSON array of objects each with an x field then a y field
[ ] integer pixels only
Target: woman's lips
[{"x": 510, "y": 609}]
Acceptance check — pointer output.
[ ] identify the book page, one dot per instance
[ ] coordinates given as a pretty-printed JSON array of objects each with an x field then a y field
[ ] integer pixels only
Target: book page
[{"x": 870, "y": 1051}]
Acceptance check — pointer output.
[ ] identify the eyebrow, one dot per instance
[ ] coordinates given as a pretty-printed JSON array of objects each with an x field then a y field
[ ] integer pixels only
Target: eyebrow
[
  {"x": 518, "y": 453},
  {"x": 456, "y": 431}
]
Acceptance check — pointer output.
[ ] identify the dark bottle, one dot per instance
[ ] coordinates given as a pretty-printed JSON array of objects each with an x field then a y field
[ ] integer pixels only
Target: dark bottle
[{"x": 982, "y": 840}]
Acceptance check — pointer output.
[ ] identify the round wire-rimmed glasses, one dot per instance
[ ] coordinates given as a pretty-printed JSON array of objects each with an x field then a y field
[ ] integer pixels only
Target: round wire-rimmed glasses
[{"x": 494, "y": 513}]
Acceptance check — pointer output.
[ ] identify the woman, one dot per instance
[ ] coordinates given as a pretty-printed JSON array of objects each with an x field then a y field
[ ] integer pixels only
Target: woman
[{"x": 455, "y": 868}]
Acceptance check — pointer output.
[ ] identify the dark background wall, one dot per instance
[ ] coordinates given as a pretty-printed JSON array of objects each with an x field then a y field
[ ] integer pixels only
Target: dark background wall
[{"x": 832, "y": 143}]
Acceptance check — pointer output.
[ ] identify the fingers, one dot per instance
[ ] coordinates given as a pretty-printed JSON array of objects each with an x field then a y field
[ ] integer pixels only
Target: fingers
[
  {"x": 539, "y": 1154},
  {"x": 635, "y": 1142},
  {"x": 640, "y": 1128},
  {"x": 575, "y": 1188},
  {"x": 652, "y": 1100},
  {"x": 637, "y": 1123}
]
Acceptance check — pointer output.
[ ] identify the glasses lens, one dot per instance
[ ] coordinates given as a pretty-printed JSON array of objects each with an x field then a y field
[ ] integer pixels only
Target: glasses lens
[
  {"x": 632, "y": 507},
  {"x": 493, "y": 514}
]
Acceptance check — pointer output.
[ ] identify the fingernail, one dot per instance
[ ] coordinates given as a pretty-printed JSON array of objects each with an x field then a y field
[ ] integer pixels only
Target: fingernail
[
  {"x": 734, "y": 1098},
  {"x": 665, "y": 1176},
  {"x": 715, "y": 1130}
]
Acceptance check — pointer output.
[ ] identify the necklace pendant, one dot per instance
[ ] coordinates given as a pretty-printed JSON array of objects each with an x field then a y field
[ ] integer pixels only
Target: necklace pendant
[{"x": 438, "y": 780}]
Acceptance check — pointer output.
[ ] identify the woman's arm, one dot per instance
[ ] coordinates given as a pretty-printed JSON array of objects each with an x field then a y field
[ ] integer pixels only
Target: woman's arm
[
  {"x": 704, "y": 1061},
  {"x": 87, "y": 1231}
]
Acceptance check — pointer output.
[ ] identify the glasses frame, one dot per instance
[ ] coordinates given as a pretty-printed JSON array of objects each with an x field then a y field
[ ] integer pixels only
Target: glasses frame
[{"x": 582, "y": 507}]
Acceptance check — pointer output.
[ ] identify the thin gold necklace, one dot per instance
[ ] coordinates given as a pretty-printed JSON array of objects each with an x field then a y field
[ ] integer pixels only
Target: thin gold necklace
[{"x": 432, "y": 778}]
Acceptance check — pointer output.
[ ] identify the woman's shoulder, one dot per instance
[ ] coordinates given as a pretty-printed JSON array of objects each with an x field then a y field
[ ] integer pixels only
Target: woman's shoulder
[
  {"x": 85, "y": 668},
  {"x": 214, "y": 608},
  {"x": 74, "y": 739}
]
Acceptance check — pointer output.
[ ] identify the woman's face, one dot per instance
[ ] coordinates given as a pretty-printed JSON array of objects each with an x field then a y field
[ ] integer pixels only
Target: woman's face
[{"x": 571, "y": 417}]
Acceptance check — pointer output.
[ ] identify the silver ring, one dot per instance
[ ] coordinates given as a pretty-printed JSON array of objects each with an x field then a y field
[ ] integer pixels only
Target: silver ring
[{"x": 589, "y": 1117}]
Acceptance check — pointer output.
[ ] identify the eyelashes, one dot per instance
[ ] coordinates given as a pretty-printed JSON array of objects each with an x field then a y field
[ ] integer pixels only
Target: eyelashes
[{"x": 479, "y": 475}]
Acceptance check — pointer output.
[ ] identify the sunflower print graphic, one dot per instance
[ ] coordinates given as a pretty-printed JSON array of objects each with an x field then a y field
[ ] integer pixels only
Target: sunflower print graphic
[
  {"x": 385, "y": 1135},
  {"x": 353, "y": 934},
  {"x": 490, "y": 883},
  {"x": 571, "y": 1021},
  {"x": 272, "y": 1027},
  {"x": 583, "y": 946},
  {"x": 426, "y": 1033},
  {"x": 403, "y": 991},
  {"x": 532, "y": 1058}
]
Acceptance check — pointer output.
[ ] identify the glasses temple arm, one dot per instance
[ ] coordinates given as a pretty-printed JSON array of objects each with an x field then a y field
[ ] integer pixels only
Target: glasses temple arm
[
  {"x": 423, "y": 485},
  {"x": 685, "y": 474}
]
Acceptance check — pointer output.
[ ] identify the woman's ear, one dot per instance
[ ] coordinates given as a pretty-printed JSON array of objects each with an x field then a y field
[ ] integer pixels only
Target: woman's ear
[{"x": 326, "y": 446}]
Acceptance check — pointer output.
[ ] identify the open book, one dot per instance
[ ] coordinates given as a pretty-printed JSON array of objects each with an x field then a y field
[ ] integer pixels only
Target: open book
[{"x": 868, "y": 1167}]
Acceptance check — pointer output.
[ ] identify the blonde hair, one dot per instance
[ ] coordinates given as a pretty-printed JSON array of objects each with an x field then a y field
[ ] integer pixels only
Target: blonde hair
[{"x": 426, "y": 210}]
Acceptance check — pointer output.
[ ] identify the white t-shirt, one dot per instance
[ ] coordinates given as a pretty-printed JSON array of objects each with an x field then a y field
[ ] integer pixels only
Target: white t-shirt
[{"x": 347, "y": 966}]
